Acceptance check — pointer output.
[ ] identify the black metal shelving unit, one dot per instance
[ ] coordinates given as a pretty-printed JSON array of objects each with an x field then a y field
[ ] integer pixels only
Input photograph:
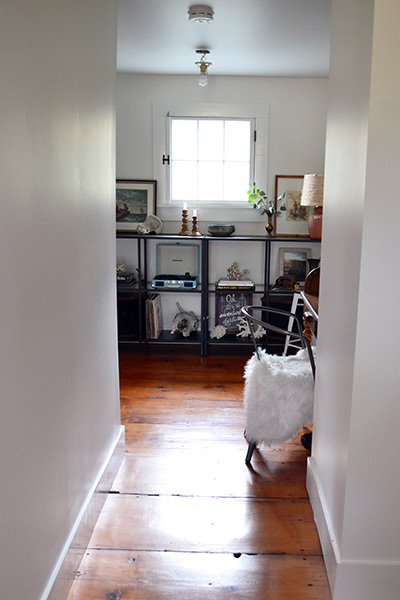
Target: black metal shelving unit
[{"x": 202, "y": 337}]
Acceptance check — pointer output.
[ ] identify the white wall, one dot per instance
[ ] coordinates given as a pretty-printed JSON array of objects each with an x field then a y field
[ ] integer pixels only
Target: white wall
[
  {"x": 296, "y": 144},
  {"x": 297, "y": 122},
  {"x": 58, "y": 363},
  {"x": 353, "y": 473}
]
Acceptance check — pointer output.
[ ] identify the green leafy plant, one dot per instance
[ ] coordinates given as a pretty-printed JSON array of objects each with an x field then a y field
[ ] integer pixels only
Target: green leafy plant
[{"x": 259, "y": 199}]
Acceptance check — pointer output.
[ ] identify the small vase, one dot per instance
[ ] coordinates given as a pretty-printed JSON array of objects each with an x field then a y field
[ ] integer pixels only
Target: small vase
[{"x": 269, "y": 227}]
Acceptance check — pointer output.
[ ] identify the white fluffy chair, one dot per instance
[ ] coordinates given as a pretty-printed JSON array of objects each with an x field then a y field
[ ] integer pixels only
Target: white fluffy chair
[{"x": 278, "y": 390}]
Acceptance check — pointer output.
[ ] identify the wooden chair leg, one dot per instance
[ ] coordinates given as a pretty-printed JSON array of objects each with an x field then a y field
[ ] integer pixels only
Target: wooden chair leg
[{"x": 250, "y": 450}]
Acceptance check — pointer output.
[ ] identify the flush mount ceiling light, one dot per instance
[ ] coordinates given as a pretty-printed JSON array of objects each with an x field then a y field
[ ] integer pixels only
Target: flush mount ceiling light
[
  {"x": 203, "y": 64},
  {"x": 201, "y": 13}
]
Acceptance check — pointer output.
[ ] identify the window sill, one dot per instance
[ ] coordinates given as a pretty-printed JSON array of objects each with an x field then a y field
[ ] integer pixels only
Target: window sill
[{"x": 222, "y": 214}]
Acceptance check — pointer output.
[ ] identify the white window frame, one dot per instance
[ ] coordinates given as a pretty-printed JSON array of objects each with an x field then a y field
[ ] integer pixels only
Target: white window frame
[{"x": 221, "y": 211}]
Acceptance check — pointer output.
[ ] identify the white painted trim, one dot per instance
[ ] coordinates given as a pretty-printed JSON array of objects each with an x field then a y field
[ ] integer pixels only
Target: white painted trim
[
  {"x": 327, "y": 540},
  {"x": 61, "y": 579},
  {"x": 367, "y": 579}
]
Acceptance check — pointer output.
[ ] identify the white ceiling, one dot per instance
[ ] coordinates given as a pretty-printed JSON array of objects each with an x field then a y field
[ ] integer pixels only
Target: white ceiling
[{"x": 281, "y": 38}]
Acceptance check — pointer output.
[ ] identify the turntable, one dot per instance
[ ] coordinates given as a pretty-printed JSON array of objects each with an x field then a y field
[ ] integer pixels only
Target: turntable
[{"x": 177, "y": 266}]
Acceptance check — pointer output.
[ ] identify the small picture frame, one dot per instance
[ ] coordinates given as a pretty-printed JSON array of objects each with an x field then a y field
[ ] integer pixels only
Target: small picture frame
[
  {"x": 135, "y": 201},
  {"x": 290, "y": 218},
  {"x": 293, "y": 263}
]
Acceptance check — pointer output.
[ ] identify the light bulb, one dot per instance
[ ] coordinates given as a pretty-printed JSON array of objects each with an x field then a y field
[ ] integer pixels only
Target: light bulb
[{"x": 203, "y": 79}]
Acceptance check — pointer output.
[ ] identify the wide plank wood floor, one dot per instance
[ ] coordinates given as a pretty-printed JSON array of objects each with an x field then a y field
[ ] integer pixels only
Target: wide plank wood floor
[{"x": 186, "y": 518}]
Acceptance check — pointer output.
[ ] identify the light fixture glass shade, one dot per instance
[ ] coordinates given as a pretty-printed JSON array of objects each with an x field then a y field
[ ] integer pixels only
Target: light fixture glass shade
[
  {"x": 313, "y": 190},
  {"x": 203, "y": 66},
  {"x": 203, "y": 79}
]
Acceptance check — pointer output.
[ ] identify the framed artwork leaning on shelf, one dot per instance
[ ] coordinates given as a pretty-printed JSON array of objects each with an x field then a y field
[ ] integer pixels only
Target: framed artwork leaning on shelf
[
  {"x": 293, "y": 263},
  {"x": 290, "y": 218},
  {"x": 135, "y": 201},
  {"x": 228, "y": 307}
]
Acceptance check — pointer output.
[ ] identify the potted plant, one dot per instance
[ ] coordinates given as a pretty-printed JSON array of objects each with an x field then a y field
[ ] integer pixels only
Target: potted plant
[{"x": 259, "y": 199}]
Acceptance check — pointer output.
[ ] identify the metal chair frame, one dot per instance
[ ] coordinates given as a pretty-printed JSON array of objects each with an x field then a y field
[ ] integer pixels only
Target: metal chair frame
[
  {"x": 296, "y": 344},
  {"x": 247, "y": 312}
]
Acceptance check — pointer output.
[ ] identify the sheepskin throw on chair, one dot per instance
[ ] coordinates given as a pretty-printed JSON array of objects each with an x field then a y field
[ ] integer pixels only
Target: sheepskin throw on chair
[{"x": 278, "y": 396}]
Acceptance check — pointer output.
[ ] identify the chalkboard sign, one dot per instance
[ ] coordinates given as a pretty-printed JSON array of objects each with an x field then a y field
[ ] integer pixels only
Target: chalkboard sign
[{"x": 227, "y": 308}]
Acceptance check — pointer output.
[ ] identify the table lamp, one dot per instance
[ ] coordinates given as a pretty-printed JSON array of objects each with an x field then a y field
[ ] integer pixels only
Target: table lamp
[{"x": 313, "y": 196}]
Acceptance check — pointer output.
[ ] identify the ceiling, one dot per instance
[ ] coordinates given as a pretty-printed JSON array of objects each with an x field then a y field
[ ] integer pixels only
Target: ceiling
[{"x": 276, "y": 38}]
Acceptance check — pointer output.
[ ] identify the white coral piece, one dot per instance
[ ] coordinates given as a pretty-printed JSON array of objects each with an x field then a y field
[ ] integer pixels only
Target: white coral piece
[
  {"x": 233, "y": 272},
  {"x": 245, "y": 330},
  {"x": 218, "y": 332}
]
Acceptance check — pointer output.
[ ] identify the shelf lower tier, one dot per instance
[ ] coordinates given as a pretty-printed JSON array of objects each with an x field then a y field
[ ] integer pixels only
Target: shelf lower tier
[{"x": 166, "y": 337}]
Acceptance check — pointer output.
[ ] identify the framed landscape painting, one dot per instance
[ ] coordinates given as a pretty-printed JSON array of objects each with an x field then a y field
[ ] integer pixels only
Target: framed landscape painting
[
  {"x": 293, "y": 263},
  {"x": 135, "y": 201}
]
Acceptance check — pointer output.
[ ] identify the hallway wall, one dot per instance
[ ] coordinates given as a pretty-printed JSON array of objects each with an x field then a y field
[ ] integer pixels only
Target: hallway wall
[
  {"x": 354, "y": 468},
  {"x": 59, "y": 411}
]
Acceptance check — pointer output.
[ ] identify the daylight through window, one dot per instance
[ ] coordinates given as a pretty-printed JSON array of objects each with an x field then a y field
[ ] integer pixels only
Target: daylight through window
[{"x": 211, "y": 160}]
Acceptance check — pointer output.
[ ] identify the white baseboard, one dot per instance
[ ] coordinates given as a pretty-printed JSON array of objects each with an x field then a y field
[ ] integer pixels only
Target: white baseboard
[
  {"x": 355, "y": 579},
  {"x": 75, "y": 547},
  {"x": 326, "y": 537},
  {"x": 367, "y": 581}
]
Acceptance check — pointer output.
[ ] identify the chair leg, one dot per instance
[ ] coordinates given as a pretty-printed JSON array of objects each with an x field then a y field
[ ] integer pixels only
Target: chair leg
[{"x": 250, "y": 450}]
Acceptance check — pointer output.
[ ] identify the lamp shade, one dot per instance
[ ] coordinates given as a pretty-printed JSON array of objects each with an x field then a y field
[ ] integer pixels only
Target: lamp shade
[
  {"x": 313, "y": 195},
  {"x": 313, "y": 190}
]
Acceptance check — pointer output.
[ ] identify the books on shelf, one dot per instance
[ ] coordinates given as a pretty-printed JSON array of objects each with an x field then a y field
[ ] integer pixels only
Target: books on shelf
[
  {"x": 126, "y": 281},
  {"x": 154, "y": 321},
  {"x": 234, "y": 284}
]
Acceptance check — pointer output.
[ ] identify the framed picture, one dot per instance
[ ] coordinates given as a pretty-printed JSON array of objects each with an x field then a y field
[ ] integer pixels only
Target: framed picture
[
  {"x": 227, "y": 308},
  {"x": 293, "y": 262},
  {"x": 290, "y": 219},
  {"x": 135, "y": 201}
]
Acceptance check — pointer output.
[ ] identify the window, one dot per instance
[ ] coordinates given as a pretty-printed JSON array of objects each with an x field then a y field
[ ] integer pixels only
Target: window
[
  {"x": 211, "y": 159},
  {"x": 209, "y": 175}
]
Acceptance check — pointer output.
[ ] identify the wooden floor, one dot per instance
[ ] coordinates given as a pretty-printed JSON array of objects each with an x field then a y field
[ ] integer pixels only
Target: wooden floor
[{"x": 187, "y": 519}]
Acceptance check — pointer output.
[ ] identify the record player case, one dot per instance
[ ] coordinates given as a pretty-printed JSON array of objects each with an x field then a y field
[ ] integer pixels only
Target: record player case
[{"x": 177, "y": 266}]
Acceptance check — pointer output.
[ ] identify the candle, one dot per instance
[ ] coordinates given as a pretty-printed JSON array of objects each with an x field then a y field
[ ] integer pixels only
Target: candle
[
  {"x": 185, "y": 206},
  {"x": 195, "y": 212}
]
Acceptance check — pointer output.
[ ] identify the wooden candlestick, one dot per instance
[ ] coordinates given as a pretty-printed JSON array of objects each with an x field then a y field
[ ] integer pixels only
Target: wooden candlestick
[
  {"x": 195, "y": 230},
  {"x": 184, "y": 230}
]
